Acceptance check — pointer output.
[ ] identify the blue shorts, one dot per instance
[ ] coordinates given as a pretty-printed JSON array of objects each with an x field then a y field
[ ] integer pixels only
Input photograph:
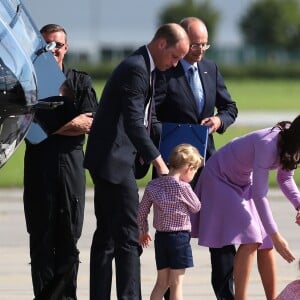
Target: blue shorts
[{"x": 173, "y": 250}]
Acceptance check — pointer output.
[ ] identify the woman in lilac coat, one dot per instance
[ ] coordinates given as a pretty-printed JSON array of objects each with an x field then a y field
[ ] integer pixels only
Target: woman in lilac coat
[{"x": 233, "y": 189}]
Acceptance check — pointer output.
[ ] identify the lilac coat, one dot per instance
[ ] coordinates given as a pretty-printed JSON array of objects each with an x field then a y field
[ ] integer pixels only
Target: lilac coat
[{"x": 233, "y": 189}]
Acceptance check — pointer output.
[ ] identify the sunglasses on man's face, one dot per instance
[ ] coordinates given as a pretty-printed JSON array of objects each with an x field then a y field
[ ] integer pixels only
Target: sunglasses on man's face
[{"x": 59, "y": 45}]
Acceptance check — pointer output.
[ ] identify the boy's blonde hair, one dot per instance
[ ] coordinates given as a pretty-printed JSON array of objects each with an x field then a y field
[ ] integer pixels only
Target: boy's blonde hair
[{"x": 185, "y": 154}]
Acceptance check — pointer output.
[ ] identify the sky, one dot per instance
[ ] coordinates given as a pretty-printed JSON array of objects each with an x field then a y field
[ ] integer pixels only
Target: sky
[{"x": 94, "y": 23}]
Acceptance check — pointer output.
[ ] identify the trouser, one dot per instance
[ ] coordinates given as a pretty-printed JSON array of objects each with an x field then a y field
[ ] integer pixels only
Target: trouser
[
  {"x": 54, "y": 190},
  {"x": 116, "y": 237},
  {"x": 54, "y": 264},
  {"x": 222, "y": 260},
  {"x": 60, "y": 286}
]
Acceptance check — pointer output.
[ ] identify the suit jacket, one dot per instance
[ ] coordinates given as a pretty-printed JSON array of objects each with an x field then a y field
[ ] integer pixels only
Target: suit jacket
[
  {"x": 175, "y": 101},
  {"x": 118, "y": 131}
]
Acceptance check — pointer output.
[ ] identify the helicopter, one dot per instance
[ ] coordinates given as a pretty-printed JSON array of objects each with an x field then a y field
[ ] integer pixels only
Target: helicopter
[{"x": 30, "y": 79}]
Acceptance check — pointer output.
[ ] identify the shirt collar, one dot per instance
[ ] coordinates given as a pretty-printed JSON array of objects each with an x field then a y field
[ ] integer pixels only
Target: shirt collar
[
  {"x": 186, "y": 65},
  {"x": 152, "y": 65}
]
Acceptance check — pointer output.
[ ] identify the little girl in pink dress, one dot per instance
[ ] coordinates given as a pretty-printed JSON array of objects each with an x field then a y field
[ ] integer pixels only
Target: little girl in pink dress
[{"x": 291, "y": 291}]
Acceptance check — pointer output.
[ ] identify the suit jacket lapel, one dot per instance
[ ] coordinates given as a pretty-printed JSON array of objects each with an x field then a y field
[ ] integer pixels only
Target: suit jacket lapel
[{"x": 143, "y": 51}]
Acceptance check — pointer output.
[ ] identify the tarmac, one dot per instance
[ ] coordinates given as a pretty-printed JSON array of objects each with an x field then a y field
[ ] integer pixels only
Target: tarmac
[{"x": 15, "y": 279}]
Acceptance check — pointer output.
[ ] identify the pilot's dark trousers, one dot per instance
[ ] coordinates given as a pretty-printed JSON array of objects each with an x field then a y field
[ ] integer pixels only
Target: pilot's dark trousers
[
  {"x": 54, "y": 190},
  {"x": 54, "y": 270},
  {"x": 116, "y": 238}
]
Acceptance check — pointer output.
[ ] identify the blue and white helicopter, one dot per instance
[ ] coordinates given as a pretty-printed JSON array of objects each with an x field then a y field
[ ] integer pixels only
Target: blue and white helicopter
[{"x": 30, "y": 78}]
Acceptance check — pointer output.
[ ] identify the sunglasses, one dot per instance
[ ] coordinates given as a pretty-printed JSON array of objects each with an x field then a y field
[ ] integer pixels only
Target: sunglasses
[{"x": 59, "y": 45}]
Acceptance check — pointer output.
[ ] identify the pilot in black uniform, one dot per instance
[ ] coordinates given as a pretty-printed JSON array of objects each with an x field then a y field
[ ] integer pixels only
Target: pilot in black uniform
[{"x": 54, "y": 189}]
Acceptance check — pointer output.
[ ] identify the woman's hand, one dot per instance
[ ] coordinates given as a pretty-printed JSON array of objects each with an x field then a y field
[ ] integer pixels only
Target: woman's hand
[
  {"x": 282, "y": 248},
  {"x": 298, "y": 217}
]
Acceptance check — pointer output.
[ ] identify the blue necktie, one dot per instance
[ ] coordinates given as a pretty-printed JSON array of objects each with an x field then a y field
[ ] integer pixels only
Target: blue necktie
[{"x": 196, "y": 86}]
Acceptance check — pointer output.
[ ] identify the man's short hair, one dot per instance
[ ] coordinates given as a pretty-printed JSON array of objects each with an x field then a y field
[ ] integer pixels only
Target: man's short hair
[{"x": 49, "y": 28}]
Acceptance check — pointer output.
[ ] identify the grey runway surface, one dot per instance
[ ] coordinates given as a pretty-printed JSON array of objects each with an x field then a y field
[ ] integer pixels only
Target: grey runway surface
[
  {"x": 263, "y": 118},
  {"x": 15, "y": 280}
]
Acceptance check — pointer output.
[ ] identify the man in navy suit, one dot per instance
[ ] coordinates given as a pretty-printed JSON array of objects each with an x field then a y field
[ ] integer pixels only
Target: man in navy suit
[
  {"x": 119, "y": 131},
  {"x": 176, "y": 103}
]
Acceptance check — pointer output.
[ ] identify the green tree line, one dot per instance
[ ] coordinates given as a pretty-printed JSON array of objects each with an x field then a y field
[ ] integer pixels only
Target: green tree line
[{"x": 270, "y": 29}]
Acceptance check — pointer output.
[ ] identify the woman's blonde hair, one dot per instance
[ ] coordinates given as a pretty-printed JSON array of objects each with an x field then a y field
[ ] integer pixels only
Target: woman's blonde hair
[{"x": 185, "y": 154}]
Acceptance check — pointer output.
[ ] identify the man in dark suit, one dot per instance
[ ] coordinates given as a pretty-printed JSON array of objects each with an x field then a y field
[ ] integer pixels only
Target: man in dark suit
[
  {"x": 120, "y": 130},
  {"x": 176, "y": 102}
]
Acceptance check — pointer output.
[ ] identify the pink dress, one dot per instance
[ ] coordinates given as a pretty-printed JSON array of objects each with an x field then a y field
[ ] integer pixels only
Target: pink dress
[
  {"x": 233, "y": 189},
  {"x": 291, "y": 291}
]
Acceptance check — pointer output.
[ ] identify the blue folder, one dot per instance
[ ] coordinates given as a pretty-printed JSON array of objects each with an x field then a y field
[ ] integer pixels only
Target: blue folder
[{"x": 174, "y": 134}]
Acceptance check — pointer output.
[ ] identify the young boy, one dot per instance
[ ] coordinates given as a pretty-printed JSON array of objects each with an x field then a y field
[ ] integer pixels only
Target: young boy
[{"x": 173, "y": 201}]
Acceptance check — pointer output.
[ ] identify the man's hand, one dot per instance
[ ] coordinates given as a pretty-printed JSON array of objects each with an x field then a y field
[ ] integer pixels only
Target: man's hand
[
  {"x": 160, "y": 166},
  {"x": 77, "y": 126},
  {"x": 83, "y": 122},
  {"x": 214, "y": 123}
]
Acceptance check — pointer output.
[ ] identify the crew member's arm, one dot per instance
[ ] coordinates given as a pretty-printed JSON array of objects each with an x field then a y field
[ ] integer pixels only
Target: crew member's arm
[{"x": 81, "y": 124}]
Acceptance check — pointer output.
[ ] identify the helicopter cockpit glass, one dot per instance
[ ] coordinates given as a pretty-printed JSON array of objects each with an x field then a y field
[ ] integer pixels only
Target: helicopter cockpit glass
[
  {"x": 18, "y": 92},
  {"x": 26, "y": 65}
]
